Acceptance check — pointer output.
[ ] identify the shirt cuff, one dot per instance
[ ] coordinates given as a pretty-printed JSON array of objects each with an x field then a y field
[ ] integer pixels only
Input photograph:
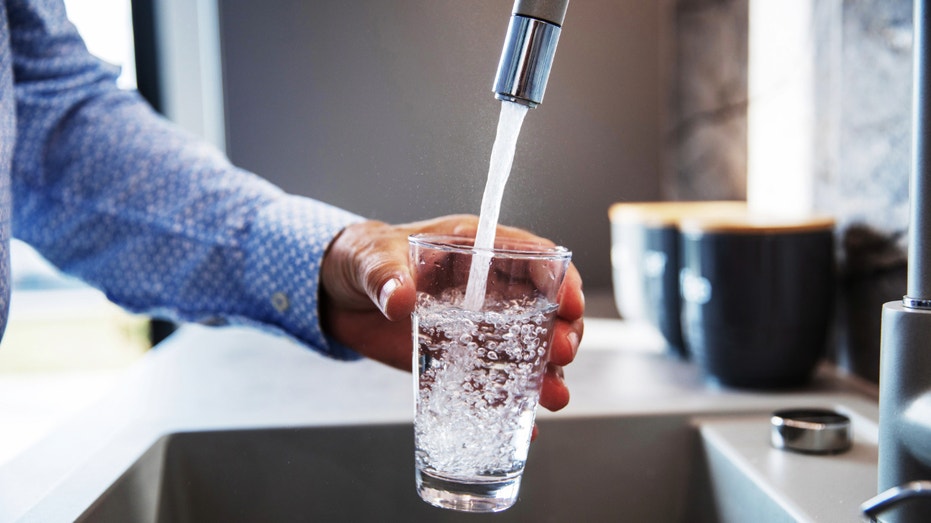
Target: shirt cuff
[{"x": 284, "y": 249}]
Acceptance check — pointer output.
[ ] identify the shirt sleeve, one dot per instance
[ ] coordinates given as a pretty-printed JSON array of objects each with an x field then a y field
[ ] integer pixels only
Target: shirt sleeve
[{"x": 161, "y": 222}]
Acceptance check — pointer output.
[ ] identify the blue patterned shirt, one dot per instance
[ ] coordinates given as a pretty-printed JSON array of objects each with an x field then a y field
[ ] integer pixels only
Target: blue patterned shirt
[{"x": 158, "y": 220}]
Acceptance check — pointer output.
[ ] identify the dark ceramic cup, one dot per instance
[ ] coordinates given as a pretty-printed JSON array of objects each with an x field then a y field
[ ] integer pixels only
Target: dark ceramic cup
[
  {"x": 645, "y": 260},
  {"x": 757, "y": 297}
]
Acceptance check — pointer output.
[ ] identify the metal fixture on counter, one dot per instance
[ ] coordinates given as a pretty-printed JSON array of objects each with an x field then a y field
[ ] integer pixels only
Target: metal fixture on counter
[
  {"x": 810, "y": 431},
  {"x": 905, "y": 366},
  {"x": 873, "y": 507},
  {"x": 529, "y": 47}
]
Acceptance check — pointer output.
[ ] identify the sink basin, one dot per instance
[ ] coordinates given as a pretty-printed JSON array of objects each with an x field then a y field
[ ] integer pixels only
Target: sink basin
[
  {"x": 663, "y": 468},
  {"x": 648, "y": 468}
]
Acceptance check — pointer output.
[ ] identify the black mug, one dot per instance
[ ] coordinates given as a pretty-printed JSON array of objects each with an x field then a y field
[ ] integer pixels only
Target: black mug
[
  {"x": 645, "y": 260},
  {"x": 757, "y": 297}
]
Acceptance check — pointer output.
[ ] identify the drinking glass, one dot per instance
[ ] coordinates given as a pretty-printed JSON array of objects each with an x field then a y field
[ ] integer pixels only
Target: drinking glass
[{"x": 479, "y": 370}]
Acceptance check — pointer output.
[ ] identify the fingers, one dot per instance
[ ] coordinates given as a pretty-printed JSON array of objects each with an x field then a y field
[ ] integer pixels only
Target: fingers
[
  {"x": 554, "y": 394},
  {"x": 566, "y": 339},
  {"x": 506, "y": 231},
  {"x": 571, "y": 299},
  {"x": 457, "y": 224},
  {"x": 467, "y": 225}
]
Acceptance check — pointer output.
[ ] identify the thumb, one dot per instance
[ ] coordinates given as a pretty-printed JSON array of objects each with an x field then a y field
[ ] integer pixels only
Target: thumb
[
  {"x": 393, "y": 293},
  {"x": 366, "y": 266},
  {"x": 386, "y": 278}
]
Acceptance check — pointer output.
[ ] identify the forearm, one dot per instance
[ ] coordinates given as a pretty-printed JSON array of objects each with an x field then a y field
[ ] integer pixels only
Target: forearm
[{"x": 161, "y": 222}]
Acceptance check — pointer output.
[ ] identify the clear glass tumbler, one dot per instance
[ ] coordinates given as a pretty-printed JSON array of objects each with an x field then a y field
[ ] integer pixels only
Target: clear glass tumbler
[{"x": 479, "y": 370}]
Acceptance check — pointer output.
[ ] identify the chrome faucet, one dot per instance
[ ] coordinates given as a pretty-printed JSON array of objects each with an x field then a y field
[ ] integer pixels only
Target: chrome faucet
[
  {"x": 905, "y": 362},
  {"x": 529, "y": 47}
]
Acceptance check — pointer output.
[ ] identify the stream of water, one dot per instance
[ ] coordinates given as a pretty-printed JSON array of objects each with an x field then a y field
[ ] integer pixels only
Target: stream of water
[{"x": 499, "y": 168}]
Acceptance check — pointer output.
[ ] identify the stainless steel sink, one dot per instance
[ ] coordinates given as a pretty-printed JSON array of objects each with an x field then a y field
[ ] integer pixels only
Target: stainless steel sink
[
  {"x": 647, "y": 468},
  {"x": 662, "y": 467}
]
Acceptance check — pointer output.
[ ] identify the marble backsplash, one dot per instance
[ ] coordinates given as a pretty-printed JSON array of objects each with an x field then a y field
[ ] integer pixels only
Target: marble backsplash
[
  {"x": 707, "y": 146},
  {"x": 861, "y": 127}
]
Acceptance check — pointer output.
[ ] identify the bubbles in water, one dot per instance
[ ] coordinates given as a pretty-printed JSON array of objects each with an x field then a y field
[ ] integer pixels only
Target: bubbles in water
[{"x": 476, "y": 399}]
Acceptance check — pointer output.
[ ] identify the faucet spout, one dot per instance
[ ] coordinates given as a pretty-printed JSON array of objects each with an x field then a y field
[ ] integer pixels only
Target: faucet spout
[
  {"x": 905, "y": 353},
  {"x": 529, "y": 48},
  {"x": 919, "y": 248}
]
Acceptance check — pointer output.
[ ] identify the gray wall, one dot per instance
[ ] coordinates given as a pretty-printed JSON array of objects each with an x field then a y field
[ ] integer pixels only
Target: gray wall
[{"x": 385, "y": 109}]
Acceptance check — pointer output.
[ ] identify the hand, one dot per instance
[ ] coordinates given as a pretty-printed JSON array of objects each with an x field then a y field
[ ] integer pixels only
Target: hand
[{"x": 368, "y": 295}]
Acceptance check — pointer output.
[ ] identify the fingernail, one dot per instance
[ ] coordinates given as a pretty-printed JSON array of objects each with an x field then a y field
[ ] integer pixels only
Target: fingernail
[{"x": 385, "y": 294}]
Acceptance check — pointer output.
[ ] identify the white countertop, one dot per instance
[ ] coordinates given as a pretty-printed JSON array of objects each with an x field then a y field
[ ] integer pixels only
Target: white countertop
[{"x": 207, "y": 378}]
